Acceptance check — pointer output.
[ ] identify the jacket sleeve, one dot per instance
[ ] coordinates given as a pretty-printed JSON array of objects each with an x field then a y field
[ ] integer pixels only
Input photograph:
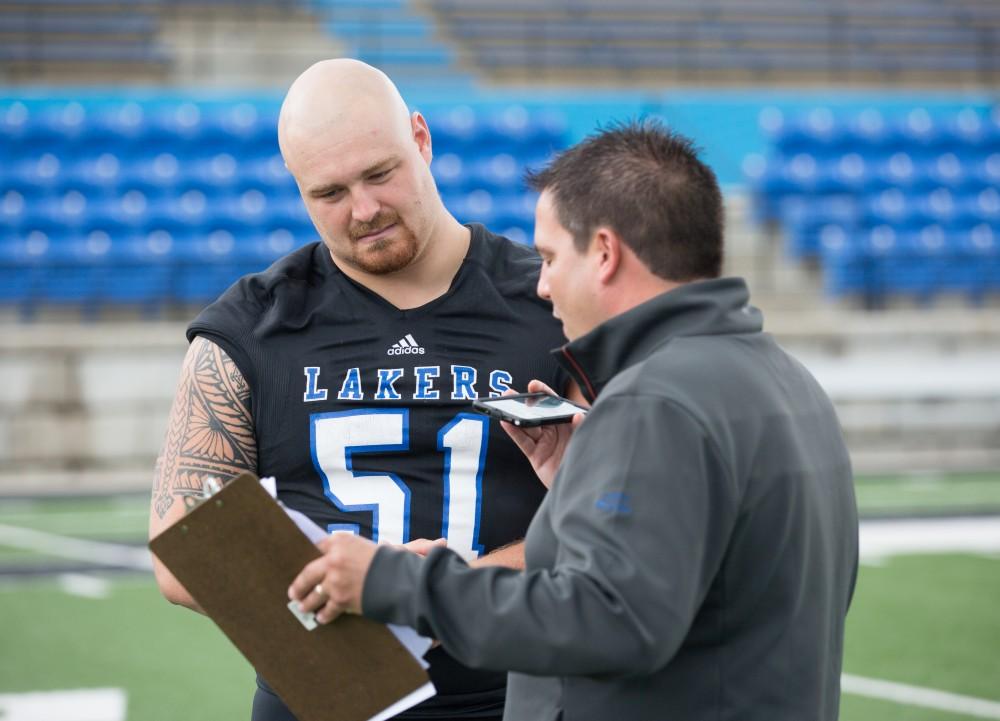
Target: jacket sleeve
[{"x": 640, "y": 516}]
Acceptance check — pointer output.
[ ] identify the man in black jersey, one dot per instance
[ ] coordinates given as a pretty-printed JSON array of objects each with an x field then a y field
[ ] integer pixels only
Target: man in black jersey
[{"x": 347, "y": 368}]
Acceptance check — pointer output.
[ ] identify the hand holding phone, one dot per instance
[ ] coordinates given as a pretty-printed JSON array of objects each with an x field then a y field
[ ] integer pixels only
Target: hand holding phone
[{"x": 543, "y": 445}]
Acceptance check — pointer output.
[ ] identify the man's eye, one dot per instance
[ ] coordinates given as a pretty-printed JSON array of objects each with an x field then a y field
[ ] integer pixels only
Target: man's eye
[{"x": 379, "y": 176}]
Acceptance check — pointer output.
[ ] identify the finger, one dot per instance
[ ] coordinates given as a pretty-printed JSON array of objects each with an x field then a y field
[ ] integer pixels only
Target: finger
[
  {"x": 578, "y": 419},
  {"x": 315, "y": 599},
  {"x": 328, "y": 613},
  {"x": 537, "y": 386},
  {"x": 525, "y": 438},
  {"x": 510, "y": 392},
  {"x": 423, "y": 546},
  {"x": 307, "y": 579}
]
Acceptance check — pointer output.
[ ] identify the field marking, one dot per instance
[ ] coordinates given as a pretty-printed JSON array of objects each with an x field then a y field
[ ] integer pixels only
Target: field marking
[
  {"x": 111, "y": 554},
  {"x": 79, "y": 584},
  {"x": 97, "y": 704},
  {"x": 882, "y": 539},
  {"x": 905, "y": 694}
]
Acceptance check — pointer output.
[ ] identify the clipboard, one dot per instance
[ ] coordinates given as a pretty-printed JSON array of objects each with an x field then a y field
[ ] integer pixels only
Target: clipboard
[{"x": 236, "y": 553}]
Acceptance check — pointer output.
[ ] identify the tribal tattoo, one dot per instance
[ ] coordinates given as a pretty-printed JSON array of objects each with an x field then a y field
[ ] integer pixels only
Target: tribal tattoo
[{"x": 211, "y": 431}]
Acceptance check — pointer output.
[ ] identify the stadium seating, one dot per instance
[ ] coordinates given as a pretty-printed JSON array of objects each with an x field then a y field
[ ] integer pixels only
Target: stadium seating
[
  {"x": 905, "y": 205},
  {"x": 891, "y": 41},
  {"x": 156, "y": 202}
]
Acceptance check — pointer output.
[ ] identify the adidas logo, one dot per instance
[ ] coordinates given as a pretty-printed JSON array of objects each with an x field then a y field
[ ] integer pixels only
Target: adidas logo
[{"x": 405, "y": 346}]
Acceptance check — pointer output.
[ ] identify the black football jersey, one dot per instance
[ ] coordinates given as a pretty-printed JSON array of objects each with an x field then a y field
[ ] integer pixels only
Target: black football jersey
[{"x": 362, "y": 411}]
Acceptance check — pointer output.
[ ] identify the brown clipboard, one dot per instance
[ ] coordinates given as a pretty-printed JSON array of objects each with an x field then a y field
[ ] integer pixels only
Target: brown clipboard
[{"x": 237, "y": 553}]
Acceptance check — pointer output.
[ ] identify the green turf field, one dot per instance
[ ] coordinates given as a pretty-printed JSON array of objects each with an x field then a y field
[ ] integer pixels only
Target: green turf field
[{"x": 930, "y": 621}]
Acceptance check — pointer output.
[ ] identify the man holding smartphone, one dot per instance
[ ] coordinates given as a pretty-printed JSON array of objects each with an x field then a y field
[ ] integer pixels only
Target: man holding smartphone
[
  {"x": 346, "y": 369},
  {"x": 697, "y": 553}
]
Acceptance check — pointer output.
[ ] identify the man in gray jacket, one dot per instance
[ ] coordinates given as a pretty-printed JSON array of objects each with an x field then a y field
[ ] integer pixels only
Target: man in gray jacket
[{"x": 697, "y": 552}]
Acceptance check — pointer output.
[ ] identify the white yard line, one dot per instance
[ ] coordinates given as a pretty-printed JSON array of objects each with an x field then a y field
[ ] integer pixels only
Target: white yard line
[
  {"x": 882, "y": 539},
  {"x": 111, "y": 554},
  {"x": 907, "y": 695},
  {"x": 98, "y": 704},
  {"x": 80, "y": 584}
]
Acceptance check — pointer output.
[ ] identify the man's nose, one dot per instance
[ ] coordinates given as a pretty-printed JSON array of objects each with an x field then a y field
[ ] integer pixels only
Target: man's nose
[
  {"x": 543, "y": 285},
  {"x": 364, "y": 206}
]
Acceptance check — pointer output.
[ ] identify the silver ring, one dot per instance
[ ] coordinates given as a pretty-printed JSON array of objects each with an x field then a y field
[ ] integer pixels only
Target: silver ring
[{"x": 318, "y": 589}]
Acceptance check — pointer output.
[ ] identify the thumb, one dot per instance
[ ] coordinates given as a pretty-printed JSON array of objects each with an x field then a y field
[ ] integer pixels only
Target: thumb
[{"x": 537, "y": 386}]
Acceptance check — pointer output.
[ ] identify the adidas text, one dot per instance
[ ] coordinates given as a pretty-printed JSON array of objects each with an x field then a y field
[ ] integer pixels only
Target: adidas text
[{"x": 396, "y": 350}]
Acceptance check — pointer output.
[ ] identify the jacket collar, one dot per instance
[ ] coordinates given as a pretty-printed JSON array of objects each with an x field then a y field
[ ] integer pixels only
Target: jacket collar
[{"x": 709, "y": 307}]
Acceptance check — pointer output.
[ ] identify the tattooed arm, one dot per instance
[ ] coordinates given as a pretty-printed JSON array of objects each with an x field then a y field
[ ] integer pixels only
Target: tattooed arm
[{"x": 210, "y": 433}]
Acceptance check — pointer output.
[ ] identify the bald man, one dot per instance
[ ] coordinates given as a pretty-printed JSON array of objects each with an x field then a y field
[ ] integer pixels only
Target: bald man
[{"x": 346, "y": 370}]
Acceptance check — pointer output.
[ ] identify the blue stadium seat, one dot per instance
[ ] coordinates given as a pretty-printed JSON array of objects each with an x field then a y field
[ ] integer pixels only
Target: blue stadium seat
[
  {"x": 209, "y": 266},
  {"x": 892, "y": 207},
  {"x": 868, "y": 132},
  {"x": 151, "y": 175},
  {"x": 22, "y": 262},
  {"x": 817, "y": 132},
  {"x": 968, "y": 129},
  {"x": 177, "y": 128},
  {"x": 118, "y": 125},
  {"x": 918, "y": 129},
  {"x": 74, "y": 270},
  {"x": 987, "y": 171},
  {"x": 500, "y": 173},
  {"x": 846, "y": 174},
  {"x": 266, "y": 171},
  {"x": 127, "y": 213},
  {"x": 898, "y": 171},
  {"x": 60, "y": 214},
  {"x": 103, "y": 173},
  {"x": 845, "y": 265},
  {"x": 13, "y": 211},
  {"x": 139, "y": 270},
  {"x": 58, "y": 128},
  {"x": 212, "y": 174},
  {"x": 983, "y": 207},
  {"x": 804, "y": 218},
  {"x": 980, "y": 247},
  {"x": 240, "y": 128},
  {"x": 455, "y": 130},
  {"x": 937, "y": 208},
  {"x": 249, "y": 210},
  {"x": 290, "y": 212},
  {"x": 518, "y": 234},
  {"x": 799, "y": 173},
  {"x": 190, "y": 211},
  {"x": 947, "y": 170},
  {"x": 15, "y": 122},
  {"x": 41, "y": 172},
  {"x": 449, "y": 172},
  {"x": 476, "y": 206}
]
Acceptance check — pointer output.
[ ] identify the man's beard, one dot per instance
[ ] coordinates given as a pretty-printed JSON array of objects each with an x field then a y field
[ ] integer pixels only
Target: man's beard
[{"x": 385, "y": 255}]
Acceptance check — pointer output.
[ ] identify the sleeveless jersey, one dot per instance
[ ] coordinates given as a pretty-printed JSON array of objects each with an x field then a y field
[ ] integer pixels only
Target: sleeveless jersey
[{"x": 363, "y": 414}]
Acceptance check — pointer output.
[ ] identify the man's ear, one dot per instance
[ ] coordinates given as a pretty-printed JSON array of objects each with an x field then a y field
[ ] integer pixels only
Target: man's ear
[
  {"x": 421, "y": 135},
  {"x": 607, "y": 247}
]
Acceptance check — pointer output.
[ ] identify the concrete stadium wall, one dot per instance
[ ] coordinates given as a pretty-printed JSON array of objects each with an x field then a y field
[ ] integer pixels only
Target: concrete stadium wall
[{"x": 83, "y": 408}]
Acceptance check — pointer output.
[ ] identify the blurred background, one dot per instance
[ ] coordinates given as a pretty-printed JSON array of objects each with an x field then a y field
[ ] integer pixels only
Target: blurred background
[{"x": 858, "y": 145}]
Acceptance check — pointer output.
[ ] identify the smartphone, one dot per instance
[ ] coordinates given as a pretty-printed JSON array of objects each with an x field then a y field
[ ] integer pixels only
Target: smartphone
[{"x": 529, "y": 409}]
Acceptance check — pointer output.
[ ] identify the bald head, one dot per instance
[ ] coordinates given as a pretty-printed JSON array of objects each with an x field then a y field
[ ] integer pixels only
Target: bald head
[{"x": 339, "y": 96}]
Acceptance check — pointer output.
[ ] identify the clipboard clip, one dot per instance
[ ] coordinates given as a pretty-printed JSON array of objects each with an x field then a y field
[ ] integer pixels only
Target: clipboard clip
[{"x": 194, "y": 498}]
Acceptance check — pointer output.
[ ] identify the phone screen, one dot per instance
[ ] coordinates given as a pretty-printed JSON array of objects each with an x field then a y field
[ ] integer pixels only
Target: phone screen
[{"x": 530, "y": 408}]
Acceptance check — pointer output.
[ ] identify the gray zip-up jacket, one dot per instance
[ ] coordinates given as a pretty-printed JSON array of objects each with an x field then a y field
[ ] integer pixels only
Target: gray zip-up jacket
[{"x": 696, "y": 556}]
